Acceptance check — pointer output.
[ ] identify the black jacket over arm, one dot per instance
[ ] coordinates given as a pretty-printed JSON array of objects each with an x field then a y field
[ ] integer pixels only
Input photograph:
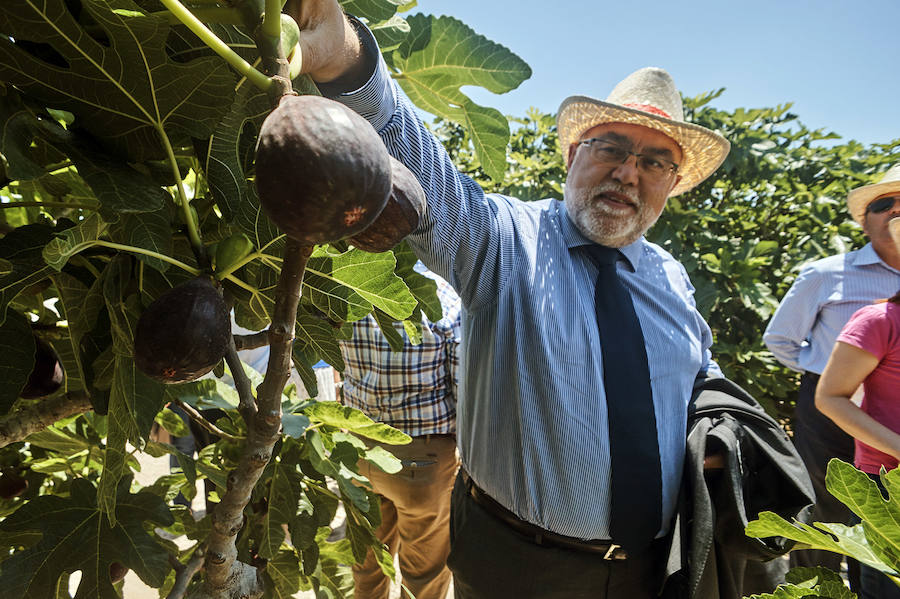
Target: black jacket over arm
[{"x": 762, "y": 472}]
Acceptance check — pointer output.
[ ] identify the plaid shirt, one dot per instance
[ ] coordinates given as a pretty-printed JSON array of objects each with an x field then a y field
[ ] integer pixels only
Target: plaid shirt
[{"x": 414, "y": 389}]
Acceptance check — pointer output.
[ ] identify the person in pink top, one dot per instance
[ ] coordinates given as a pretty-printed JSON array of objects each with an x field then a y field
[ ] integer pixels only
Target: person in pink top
[{"x": 867, "y": 352}]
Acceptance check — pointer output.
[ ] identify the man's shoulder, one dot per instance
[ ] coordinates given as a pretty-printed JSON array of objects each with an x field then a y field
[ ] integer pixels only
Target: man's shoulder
[{"x": 838, "y": 263}]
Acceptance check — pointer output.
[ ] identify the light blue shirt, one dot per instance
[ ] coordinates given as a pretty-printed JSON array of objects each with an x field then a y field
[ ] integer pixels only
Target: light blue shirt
[
  {"x": 822, "y": 299},
  {"x": 532, "y": 419}
]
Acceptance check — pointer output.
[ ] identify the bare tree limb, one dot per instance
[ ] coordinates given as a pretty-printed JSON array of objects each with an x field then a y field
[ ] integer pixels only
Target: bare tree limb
[
  {"x": 242, "y": 384},
  {"x": 225, "y": 576},
  {"x": 203, "y": 422},
  {"x": 25, "y": 421},
  {"x": 252, "y": 341},
  {"x": 185, "y": 572}
]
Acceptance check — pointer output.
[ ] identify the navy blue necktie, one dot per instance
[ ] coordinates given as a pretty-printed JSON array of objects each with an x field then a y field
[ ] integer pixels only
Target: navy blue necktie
[{"x": 636, "y": 480}]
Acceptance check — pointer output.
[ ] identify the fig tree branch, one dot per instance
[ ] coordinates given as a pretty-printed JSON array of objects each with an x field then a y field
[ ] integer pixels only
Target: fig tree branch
[
  {"x": 253, "y": 341},
  {"x": 204, "y": 423},
  {"x": 242, "y": 384},
  {"x": 185, "y": 572},
  {"x": 223, "y": 571},
  {"x": 25, "y": 421}
]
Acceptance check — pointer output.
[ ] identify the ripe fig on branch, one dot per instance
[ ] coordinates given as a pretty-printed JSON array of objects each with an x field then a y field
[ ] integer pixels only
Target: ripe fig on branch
[
  {"x": 322, "y": 172},
  {"x": 401, "y": 215},
  {"x": 183, "y": 334},
  {"x": 117, "y": 572},
  {"x": 47, "y": 375},
  {"x": 12, "y": 485}
]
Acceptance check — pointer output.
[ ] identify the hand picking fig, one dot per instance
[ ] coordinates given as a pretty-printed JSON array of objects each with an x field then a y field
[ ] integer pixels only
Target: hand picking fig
[
  {"x": 400, "y": 217},
  {"x": 47, "y": 375},
  {"x": 322, "y": 172},
  {"x": 183, "y": 334}
]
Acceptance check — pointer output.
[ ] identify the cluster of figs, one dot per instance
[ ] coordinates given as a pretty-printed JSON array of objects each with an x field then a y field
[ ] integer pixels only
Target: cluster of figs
[{"x": 322, "y": 175}]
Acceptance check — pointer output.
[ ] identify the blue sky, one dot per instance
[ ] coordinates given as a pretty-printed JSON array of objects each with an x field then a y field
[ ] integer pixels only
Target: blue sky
[{"x": 837, "y": 61}]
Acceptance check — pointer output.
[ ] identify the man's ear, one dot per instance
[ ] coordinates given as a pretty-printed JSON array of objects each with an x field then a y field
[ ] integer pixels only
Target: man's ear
[
  {"x": 675, "y": 183},
  {"x": 573, "y": 147}
]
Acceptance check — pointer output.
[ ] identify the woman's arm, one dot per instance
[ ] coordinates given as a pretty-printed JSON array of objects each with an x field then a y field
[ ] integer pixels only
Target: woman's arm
[{"x": 847, "y": 368}]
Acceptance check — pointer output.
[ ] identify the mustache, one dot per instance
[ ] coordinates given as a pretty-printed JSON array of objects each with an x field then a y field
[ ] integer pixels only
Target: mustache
[{"x": 611, "y": 186}]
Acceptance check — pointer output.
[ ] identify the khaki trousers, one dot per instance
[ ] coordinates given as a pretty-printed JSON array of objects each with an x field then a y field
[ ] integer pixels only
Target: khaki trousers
[{"x": 415, "y": 518}]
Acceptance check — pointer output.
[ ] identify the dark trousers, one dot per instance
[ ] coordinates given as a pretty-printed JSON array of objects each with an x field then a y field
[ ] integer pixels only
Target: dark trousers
[
  {"x": 489, "y": 560},
  {"x": 818, "y": 439}
]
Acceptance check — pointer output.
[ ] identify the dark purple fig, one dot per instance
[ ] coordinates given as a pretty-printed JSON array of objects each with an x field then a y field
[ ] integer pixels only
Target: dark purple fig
[
  {"x": 401, "y": 215},
  {"x": 183, "y": 334},
  {"x": 117, "y": 572},
  {"x": 322, "y": 172},
  {"x": 12, "y": 485},
  {"x": 47, "y": 375}
]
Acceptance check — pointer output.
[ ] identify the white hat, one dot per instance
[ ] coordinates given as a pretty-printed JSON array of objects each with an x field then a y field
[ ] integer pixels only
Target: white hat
[
  {"x": 858, "y": 199},
  {"x": 647, "y": 97}
]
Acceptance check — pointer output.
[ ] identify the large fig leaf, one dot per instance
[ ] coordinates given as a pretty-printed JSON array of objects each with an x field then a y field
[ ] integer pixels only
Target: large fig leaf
[
  {"x": 74, "y": 535},
  {"x": 346, "y": 286},
  {"x": 439, "y": 56},
  {"x": 284, "y": 493},
  {"x": 135, "y": 399},
  {"x": 17, "y": 129},
  {"x": 373, "y": 10},
  {"x": 17, "y": 346},
  {"x": 68, "y": 243},
  {"x": 351, "y": 419},
  {"x": 283, "y": 571},
  {"x": 149, "y": 231},
  {"x": 22, "y": 249},
  {"x": 226, "y": 165},
  {"x": 121, "y": 85}
]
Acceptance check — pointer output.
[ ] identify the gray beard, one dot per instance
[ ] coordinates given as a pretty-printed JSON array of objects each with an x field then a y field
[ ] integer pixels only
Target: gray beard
[{"x": 594, "y": 222}]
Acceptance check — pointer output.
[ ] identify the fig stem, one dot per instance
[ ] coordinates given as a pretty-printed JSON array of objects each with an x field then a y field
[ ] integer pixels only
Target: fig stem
[
  {"x": 271, "y": 25},
  {"x": 209, "y": 426},
  {"x": 207, "y": 14},
  {"x": 193, "y": 228},
  {"x": 242, "y": 384},
  {"x": 6, "y": 205},
  {"x": 137, "y": 250},
  {"x": 221, "y": 274},
  {"x": 209, "y": 38},
  {"x": 185, "y": 572},
  {"x": 253, "y": 341}
]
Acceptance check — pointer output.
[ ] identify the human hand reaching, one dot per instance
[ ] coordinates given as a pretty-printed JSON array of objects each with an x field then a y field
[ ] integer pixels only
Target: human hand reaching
[{"x": 329, "y": 43}]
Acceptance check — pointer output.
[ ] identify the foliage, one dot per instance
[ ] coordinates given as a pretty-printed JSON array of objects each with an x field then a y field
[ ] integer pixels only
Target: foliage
[
  {"x": 126, "y": 168},
  {"x": 875, "y": 541},
  {"x": 778, "y": 202},
  {"x": 812, "y": 583}
]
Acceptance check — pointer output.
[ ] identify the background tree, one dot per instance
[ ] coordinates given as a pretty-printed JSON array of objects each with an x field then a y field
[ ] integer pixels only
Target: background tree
[
  {"x": 127, "y": 145},
  {"x": 778, "y": 202}
]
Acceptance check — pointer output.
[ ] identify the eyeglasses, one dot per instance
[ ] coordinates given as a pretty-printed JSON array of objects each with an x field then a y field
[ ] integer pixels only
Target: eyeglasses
[
  {"x": 605, "y": 152},
  {"x": 882, "y": 204}
]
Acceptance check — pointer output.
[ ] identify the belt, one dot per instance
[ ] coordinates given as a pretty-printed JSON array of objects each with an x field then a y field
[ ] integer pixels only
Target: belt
[
  {"x": 434, "y": 436},
  {"x": 536, "y": 534}
]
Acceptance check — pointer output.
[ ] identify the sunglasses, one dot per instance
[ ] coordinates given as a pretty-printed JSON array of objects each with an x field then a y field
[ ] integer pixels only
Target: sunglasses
[{"x": 882, "y": 204}]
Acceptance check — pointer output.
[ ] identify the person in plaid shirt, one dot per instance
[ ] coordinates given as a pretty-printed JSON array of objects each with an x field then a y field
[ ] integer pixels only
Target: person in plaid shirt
[{"x": 413, "y": 390}]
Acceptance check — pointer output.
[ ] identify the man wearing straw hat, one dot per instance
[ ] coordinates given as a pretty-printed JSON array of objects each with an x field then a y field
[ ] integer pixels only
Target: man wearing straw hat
[
  {"x": 581, "y": 341},
  {"x": 803, "y": 330}
]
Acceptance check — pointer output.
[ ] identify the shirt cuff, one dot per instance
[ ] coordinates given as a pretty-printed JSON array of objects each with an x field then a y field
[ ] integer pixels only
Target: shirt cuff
[{"x": 372, "y": 98}]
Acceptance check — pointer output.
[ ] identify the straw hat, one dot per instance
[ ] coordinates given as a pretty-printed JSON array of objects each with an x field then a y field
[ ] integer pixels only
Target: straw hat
[
  {"x": 647, "y": 97},
  {"x": 859, "y": 198}
]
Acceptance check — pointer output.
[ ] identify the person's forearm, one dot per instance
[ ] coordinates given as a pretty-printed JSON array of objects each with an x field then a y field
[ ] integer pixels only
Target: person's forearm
[{"x": 858, "y": 424}]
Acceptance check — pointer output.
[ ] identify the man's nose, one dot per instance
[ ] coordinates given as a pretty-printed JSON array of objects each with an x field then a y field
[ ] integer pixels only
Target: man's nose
[{"x": 627, "y": 173}]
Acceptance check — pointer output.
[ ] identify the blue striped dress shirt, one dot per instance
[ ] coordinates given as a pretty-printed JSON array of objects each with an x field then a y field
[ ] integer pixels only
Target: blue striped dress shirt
[
  {"x": 822, "y": 299},
  {"x": 532, "y": 425},
  {"x": 413, "y": 389}
]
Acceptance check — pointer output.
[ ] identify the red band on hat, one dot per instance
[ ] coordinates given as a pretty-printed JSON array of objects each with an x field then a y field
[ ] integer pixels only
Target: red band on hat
[{"x": 648, "y": 108}]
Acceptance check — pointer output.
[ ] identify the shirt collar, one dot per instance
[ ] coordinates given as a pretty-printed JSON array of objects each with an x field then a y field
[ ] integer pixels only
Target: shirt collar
[
  {"x": 867, "y": 255},
  {"x": 574, "y": 239}
]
